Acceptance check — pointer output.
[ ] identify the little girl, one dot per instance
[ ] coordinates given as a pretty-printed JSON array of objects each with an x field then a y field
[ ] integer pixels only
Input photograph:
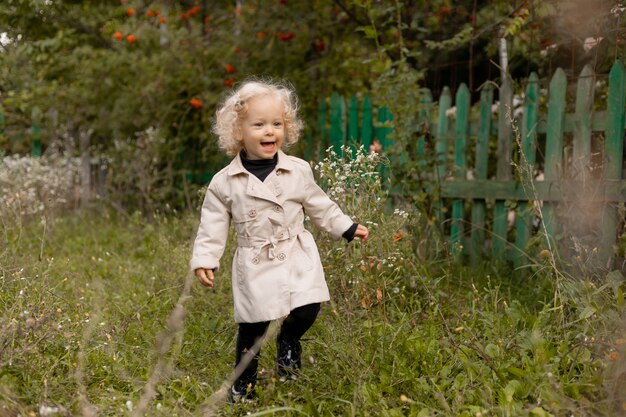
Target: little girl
[{"x": 265, "y": 194}]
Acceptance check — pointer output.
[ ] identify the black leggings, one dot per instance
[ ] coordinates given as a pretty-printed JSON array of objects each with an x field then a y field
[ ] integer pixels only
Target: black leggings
[{"x": 293, "y": 328}]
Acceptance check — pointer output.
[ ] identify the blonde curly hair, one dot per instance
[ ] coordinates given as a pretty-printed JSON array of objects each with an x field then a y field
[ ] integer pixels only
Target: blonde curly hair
[{"x": 234, "y": 108}]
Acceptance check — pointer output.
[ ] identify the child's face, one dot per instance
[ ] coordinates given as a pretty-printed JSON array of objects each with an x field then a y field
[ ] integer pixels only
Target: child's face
[{"x": 263, "y": 127}]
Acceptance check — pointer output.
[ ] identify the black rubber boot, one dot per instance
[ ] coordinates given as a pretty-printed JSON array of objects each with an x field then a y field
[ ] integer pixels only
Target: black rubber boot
[
  {"x": 288, "y": 358},
  {"x": 243, "y": 389}
]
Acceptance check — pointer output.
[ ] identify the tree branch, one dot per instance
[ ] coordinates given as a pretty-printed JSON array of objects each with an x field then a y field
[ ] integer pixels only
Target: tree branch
[
  {"x": 83, "y": 29},
  {"x": 359, "y": 22},
  {"x": 350, "y": 14}
]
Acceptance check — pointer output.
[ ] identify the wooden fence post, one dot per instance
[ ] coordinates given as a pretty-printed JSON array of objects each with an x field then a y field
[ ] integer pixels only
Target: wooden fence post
[
  {"x": 441, "y": 147},
  {"x": 423, "y": 120},
  {"x": 367, "y": 124},
  {"x": 337, "y": 122},
  {"x": 583, "y": 214},
  {"x": 613, "y": 154},
  {"x": 460, "y": 164},
  {"x": 353, "y": 124},
  {"x": 322, "y": 129},
  {"x": 35, "y": 132},
  {"x": 585, "y": 94},
  {"x": 503, "y": 171},
  {"x": 554, "y": 146},
  {"x": 84, "y": 137},
  {"x": 383, "y": 131},
  {"x": 477, "y": 237},
  {"x": 528, "y": 144}
]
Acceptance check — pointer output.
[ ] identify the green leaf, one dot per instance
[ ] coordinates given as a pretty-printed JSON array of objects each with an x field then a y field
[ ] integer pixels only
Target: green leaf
[
  {"x": 510, "y": 389},
  {"x": 369, "y": 31},
  {"x": 491, "y": 350},
  {"x": 615, "y": 279},
  {"x": 518, "y": 372},
  {"x": 587, "y": 312},
  {"x": 540, "y": 412}
]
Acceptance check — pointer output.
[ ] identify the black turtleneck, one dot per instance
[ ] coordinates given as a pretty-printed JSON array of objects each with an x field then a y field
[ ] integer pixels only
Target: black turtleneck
[{"x": 260, "y": 168}]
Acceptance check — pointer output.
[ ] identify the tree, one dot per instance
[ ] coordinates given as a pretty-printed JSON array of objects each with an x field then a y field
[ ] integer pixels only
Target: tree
[{"x": 112, "y": 72}]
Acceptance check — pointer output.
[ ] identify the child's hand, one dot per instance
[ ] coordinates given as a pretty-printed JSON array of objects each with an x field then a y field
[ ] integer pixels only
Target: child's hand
[
  {"x": 205, "y": 276},
  {"x": 361, "y": 232}
]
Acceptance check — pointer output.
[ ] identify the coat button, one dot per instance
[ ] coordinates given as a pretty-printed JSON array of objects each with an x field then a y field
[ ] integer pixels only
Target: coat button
[
  {"x": 256, "y": 260},
  {"x": 278, "y": 172},
  {"x": 281, "y": 256},
  {"x": 277, "y": 208},
  {"x": 252, "y": 213}
]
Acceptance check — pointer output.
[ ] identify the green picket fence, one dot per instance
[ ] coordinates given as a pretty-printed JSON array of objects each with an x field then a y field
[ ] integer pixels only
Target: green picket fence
[
  {"x": 35, "y": 133},
  {"x": 544, "y": 136},
  {"x": 347, "y": 124}
]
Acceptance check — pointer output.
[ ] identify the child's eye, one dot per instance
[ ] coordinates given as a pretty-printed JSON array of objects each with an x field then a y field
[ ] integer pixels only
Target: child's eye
[
  {"x": 278, "y": 124},
  {"x": 258, "y": 124}
]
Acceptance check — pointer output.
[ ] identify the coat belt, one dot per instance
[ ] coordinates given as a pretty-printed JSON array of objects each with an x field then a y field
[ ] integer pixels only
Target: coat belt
[{"x": 259, "y": 242}]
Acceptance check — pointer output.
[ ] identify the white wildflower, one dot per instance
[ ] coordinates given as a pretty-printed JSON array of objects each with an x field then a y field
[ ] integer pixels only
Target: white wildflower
[
  {"x": 45, "y": 410},
  {"x": 591, "y": 42},
  {"x": 618, "y": 9}
]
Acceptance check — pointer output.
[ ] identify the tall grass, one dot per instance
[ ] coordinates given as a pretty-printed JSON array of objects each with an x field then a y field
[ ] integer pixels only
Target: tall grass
[{"x": 95, "y": 320}]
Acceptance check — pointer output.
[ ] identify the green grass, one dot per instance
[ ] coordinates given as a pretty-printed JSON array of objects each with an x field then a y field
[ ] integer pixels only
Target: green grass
[{"x": 86, "y": 302}]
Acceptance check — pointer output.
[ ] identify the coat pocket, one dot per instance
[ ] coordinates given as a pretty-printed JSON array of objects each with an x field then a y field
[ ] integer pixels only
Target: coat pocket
[
  {"x": 244, "y": 262},
  {"x": 303, "y": 256}
]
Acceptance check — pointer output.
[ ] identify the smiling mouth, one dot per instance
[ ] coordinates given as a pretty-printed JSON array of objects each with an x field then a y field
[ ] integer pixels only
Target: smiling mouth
[{"x": 267, "y": 144}]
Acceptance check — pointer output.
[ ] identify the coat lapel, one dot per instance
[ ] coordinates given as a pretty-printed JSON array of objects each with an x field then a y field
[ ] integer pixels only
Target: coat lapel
[
  {"x": 255, "y": 188},
  {"x": 258, "y": 189}
]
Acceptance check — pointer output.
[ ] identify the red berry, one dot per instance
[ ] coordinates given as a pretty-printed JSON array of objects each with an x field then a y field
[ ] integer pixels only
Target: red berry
[
  {"x": 285, "y": 36},
  {"x": 196, "y": 103}
]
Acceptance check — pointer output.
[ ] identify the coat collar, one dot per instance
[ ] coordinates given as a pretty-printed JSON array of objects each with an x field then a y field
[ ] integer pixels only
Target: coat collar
[{"x": 269, "y": 190}]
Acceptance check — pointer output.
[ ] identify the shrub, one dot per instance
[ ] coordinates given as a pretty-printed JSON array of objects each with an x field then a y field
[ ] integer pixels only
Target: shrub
[
  {"x": 31, "y": 186},
  {"x": 385, "y": 265}
]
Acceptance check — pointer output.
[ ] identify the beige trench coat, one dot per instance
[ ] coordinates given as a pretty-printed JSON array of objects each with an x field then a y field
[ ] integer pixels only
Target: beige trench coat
[{"x": 276, "y": 266}]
